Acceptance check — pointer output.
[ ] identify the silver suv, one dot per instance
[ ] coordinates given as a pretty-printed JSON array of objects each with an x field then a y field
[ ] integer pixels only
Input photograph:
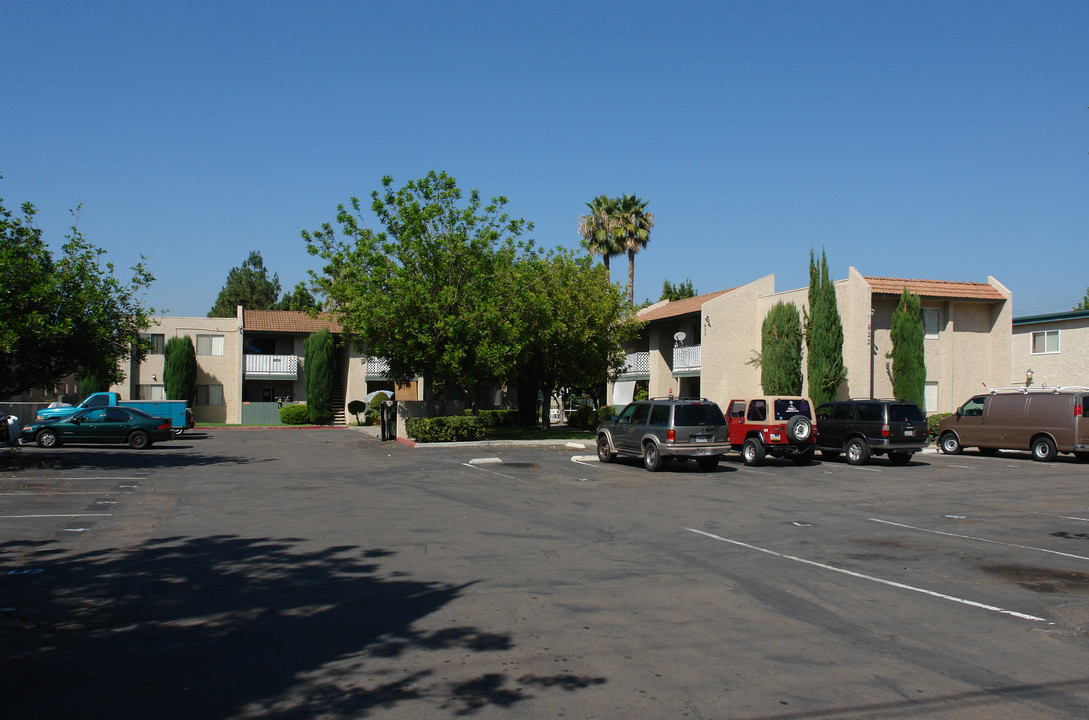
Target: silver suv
[{"x": 663, "y": 428}]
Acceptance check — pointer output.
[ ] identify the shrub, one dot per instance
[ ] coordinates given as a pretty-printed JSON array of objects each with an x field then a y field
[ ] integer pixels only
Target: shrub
[
  {"x": 320, "y": 365},
  {"x": 932, "y": 423},
  {"x": 495, "y": 418},
  {"x": 583, "y": 417},
  {"x": 355, "y": 407},
  {"x": 451, "y": 428},
  {"x": 296, "y": 414}
]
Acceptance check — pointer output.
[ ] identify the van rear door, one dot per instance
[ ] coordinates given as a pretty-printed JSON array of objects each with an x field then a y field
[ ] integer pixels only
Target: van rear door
[{"x": 1081, "y": 424}]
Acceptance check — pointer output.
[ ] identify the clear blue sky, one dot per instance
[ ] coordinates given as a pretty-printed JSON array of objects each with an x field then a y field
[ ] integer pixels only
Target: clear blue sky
[{"x": 944, "y": 140}]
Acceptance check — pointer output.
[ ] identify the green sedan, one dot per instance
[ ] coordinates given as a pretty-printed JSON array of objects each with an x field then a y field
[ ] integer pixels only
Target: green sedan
[{"x": 100, "y": 425}]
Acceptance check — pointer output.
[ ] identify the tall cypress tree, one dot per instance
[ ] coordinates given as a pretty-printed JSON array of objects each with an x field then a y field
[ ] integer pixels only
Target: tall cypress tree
[
  {"x": 180, "y": 369},
  {"x": 908, "y": 363},
  {"x": 781, "y": 351},
  {"x": 823, "y": 335},
  {"x": 320, "y": 364}
]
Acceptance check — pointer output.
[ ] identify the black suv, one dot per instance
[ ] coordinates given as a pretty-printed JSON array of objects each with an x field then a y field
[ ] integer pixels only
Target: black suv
[
  {"x": 662, "y": 428},
  {"x": 861, "y": 428}
]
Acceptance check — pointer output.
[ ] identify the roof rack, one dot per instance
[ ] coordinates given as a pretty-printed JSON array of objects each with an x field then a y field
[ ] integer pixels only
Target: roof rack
[
  {"x": 1040, "y": 389},
  {"x": 678, "y": 397}
]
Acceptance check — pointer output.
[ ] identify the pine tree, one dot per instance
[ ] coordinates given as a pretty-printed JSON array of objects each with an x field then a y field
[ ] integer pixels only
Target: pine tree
[
  {"x": 908, "y": 363},
  {"x": 180, "y": 369},
  {"x": 781, "y": 351},
  {"x": 823, "y": 335},
  {"x": 320, "y": 364}
]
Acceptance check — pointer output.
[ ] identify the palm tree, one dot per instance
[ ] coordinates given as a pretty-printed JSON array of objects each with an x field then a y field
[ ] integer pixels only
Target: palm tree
[
  {"x": 598, "y": 229},
  {"x": 634, "y": 225}
]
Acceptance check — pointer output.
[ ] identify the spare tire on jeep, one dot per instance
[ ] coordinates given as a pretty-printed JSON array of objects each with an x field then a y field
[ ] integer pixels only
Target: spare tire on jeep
[{"x": 799, "y": 429}]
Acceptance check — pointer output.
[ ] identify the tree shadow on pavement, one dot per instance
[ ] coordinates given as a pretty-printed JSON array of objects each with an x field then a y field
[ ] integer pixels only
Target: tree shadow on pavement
[{"x": 226, "y": 626}]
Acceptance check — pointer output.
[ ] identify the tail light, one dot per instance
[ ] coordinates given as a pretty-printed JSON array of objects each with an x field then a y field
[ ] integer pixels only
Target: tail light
[
  {"x": 164, "y": 426},
  {"x": 1077, "y": 410},
  {"x": 885, "y": 431},
  {"x": 671, "y": 436}
]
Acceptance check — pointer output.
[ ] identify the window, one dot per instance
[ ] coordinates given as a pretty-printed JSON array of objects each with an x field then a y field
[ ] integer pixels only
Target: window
[
  {"x": 758, "y": 411},
  {"x": 1045, "y": 341},
  {"x": 209, "y": 394},
  {"x": 930, "y": 397},
  {"x": 930, "y": 322},
  {"x": 973, "y": 408},
  {"x": 157, "y": 340},
  {"x": 659, "y": 415},
  {"x": 150, "y": 392},
  {"x": 209, "y": 344}
]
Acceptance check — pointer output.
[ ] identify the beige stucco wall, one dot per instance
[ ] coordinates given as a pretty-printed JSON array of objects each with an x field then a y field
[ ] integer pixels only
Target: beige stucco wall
[
  {"x": 972, "y": 348},
  {"x": 225, "y": 369},
  {"x": 1069, "y": 366}
]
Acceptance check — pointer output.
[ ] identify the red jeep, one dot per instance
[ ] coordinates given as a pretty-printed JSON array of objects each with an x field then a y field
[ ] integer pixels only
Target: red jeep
[{"x": 776, "y": 426}]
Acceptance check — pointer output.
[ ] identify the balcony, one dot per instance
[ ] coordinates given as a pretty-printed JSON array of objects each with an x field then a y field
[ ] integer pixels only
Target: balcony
[
  {"x": 637, "y": 366},
  {"x": 377, "y": 368},
  {"x": 686, "y": 360},
  {"x": 272, "y": 367}
]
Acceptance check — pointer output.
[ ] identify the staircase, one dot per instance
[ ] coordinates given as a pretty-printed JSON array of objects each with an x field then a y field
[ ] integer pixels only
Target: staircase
[{"x": 337, "y": 404}]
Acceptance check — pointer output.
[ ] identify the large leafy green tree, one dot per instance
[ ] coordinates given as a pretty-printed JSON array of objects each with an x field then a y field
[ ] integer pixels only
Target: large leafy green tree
[
  {"x": 180, "y": 369},
  {"x": 599, "y": 229},
  {"x": 66, "y": 312},
  {"x": 248, "y": 286},
  {"x": 781, "y": 351},
  {"x": 634, "y": 224},
  {"x": 320, "y": 366},
  {"x": 432, "y": 291},
  {"x": 573, "y": 321},
  {"x": 823, "y": 335},
  {"x": 908, "y": 362}
]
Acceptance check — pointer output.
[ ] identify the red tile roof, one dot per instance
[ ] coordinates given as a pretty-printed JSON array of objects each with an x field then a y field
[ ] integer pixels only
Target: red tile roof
[
  {"x": 935, "y": 288},
  {"x": 287, "y": 321},
  {"x": 677, "y": 308}
]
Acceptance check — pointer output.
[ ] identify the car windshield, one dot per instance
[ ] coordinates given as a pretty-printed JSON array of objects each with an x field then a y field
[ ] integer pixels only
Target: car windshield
[
  {"x": 786, "y": 409},
  {"x": 698, "y": 414},
  {"x": 905, "y": 413}
]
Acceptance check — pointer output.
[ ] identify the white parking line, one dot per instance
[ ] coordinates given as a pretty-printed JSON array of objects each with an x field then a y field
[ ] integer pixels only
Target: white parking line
[
  {"x": 871, "y": 578},
  {"x": 62, "y": 515},
  {"x": 979, "y": 539}
]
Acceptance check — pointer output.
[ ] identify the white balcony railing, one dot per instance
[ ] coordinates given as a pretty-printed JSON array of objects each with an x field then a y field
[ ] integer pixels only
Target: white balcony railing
[
  {"x": 638, "y": 363},
  {"x": 686, "y": 359},
  {"x": 272, "y": 367},
  {"x": 377, "y": 367}
]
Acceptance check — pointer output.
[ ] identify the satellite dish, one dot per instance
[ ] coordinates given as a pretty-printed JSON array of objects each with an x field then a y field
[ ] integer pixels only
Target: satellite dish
[{"x": 678, "y": 338}]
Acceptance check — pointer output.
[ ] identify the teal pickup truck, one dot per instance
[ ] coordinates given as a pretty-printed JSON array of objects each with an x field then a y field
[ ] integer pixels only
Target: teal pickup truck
[{"x": 179, "y": 415}]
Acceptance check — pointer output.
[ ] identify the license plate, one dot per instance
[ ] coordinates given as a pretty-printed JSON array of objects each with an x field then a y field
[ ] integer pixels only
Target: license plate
[
  {"x": 909, "y": 432},
  {"x": 702, "y": 439}
]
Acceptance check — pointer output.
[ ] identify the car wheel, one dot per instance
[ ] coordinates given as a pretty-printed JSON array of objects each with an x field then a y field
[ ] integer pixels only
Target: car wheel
[
  {"x": 950, "y": 444},
  {"x": 829, "y": 454},
  {"x": 799, "y": 429},
  {"x": 604, "y": 453},
  {"x": 139, "y": 440},
  {"x": 857, "y": 451},
  {"x": 1043, "y": 449},
  {"x": 47, "y": 439},
  {"x": 652, "y": 459},
  {"x": 707, "y": 464},
  {"x": 803, "y": 458},
  {"x": 900, "y": 458},
  {"x": 752, "y": 452}
]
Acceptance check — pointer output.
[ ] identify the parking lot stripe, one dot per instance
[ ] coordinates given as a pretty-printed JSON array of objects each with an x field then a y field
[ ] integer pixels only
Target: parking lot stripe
[
  {"x": 979, "y": 539},
  {"x": 871, "y": 578},
  {"x": 60, "y": 515}
]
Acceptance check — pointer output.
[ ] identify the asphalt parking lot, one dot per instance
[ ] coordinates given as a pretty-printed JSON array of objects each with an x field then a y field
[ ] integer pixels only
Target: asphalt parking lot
[{"x": 321, "y": 573}]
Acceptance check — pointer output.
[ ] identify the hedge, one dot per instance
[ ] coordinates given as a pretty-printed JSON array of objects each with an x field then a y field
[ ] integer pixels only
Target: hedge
[
  {"x": 932, "y": 423},
  {"x": 451, "y": 428},
  {"x": 296, "y": 414}
]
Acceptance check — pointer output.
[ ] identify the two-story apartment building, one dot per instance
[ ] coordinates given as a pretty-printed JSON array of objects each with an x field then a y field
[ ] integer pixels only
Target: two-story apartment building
[
  {"x": 705, "y": 346},
  {"x": 250, "y": 361},
  {"x": 1051, "y": 349}
]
